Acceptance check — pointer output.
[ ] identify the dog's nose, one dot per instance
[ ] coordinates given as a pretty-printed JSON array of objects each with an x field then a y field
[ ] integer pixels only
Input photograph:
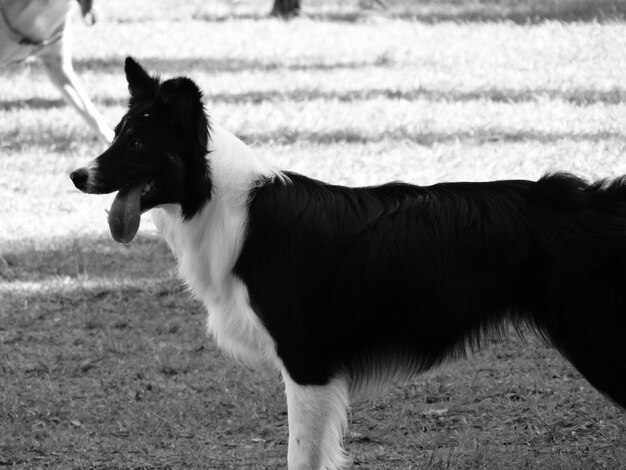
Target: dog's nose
[{"x": 79, "y": 178}]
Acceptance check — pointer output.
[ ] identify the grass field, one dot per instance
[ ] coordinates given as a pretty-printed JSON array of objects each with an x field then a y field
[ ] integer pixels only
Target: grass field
[{"x": 104, "y": 362}]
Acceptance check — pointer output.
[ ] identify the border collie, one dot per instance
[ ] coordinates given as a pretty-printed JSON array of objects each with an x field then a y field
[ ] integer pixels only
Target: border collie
[
  {"x": 344, "y": 289},
  {"x": 42, "y": 29}
]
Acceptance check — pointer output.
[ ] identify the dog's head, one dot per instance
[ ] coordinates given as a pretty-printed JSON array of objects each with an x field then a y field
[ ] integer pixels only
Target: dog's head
[{"x": 158, "y": 155}]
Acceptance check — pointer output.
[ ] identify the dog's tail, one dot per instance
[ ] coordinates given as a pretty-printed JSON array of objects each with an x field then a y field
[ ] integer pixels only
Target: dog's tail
[{"x": 580, "y": 300}]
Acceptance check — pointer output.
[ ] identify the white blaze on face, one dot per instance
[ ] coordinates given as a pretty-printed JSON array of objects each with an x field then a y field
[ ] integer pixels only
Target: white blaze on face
[{"x": 92, "y": 176}]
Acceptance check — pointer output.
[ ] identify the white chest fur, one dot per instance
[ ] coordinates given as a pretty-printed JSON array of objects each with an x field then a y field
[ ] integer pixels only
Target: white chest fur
[{"x": 207, "y": 247}]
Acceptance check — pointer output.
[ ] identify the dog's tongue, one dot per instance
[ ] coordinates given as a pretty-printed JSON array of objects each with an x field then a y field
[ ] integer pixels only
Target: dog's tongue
[{"x": 125, "y": 213}]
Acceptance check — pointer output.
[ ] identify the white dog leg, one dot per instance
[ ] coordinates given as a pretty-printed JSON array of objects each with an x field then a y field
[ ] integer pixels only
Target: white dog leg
[
  {"x": 57, "y": 60},
  {"x": 317, "y": 421}
]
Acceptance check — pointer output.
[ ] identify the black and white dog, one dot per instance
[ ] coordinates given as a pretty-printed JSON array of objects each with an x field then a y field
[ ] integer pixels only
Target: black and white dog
[{"x": 344, "y": 289}]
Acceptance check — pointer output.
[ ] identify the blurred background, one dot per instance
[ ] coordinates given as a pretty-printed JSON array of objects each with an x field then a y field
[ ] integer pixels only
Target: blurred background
[{"x": 104, "y": 362}]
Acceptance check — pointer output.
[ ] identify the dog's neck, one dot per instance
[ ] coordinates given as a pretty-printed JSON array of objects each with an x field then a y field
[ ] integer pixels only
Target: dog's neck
[
  {"x": 234, "y": 167},
  {"x": 208, "y": 244}
]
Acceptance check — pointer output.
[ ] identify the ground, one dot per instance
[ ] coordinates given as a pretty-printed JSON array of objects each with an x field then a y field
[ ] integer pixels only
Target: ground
[{"x": 104, "y": 360}]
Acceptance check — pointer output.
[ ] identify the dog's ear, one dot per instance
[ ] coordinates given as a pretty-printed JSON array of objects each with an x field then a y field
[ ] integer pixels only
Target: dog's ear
[
  {"x": 184, "y": 99},
  {"x": 140, "y": 84},
  {"x": 182, "y": 96}
]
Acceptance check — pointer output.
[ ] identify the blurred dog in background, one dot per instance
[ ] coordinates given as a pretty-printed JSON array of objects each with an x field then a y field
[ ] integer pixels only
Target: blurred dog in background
[{"x": 42, "y": 29}]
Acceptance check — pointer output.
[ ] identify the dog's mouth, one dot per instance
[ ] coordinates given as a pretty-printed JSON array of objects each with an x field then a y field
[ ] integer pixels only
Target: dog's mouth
[{"x": 129, "y": 203}]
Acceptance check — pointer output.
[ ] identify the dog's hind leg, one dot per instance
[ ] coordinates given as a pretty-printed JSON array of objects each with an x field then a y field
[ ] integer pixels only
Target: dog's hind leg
[
  {"x": 57, "y": 60},
  {"x": 317, "y": 421}
]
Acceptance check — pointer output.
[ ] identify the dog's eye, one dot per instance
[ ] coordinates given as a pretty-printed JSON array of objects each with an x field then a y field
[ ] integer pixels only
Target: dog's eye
[{"x": 136, "y": 143}]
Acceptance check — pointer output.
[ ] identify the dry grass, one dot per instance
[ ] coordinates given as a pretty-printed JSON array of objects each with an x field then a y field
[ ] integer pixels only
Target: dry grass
[{"x": 103, "y": 358}]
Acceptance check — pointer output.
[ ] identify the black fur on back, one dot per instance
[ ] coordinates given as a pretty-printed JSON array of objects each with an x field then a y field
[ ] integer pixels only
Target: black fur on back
[{"x": 360, "y": 280}]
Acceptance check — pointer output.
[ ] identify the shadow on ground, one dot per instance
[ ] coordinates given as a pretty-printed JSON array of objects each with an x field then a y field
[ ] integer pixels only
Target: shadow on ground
[
  {"x": 174, "y": 66},
  {"x": 577, "y": 96},
  {"x": 120, "y": 374},
  {"x": 105, "y": 363},
  {"x": 96, "y": 257}
]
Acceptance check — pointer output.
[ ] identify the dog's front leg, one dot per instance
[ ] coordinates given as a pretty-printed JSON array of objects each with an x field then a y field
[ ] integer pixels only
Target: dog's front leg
[{"x": 317, "y": 421}]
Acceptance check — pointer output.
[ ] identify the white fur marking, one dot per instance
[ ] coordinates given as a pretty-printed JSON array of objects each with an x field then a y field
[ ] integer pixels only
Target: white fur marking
[
  {"x": 317, "y": 422},
  {"x": 92, "y": 172},
  {"x": 207, "y": 247}
]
